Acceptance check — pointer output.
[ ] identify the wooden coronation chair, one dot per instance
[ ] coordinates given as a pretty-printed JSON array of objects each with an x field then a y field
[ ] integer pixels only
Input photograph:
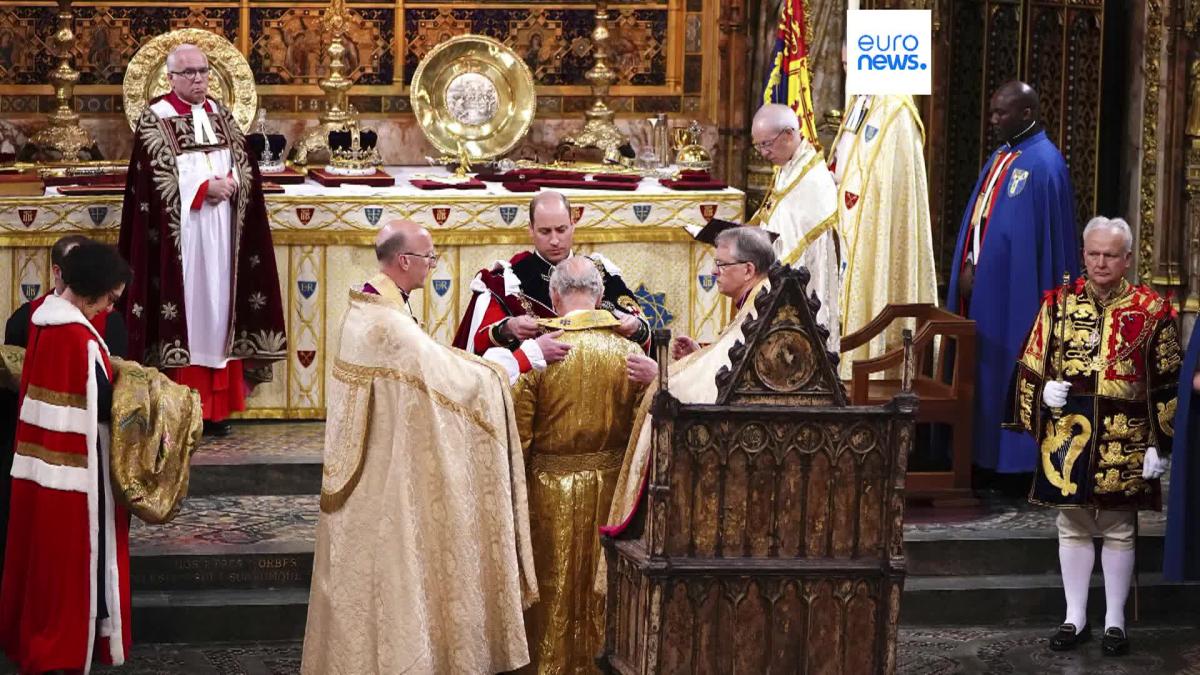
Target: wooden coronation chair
[{"x": 943, "y": 380}]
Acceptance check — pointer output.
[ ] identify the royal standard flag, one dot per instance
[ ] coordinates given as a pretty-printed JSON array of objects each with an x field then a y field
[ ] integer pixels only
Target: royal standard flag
[{"x": 789, "y": 81}]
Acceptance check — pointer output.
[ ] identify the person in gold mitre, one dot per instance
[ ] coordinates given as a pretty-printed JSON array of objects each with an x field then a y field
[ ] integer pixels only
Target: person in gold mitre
[
  {"x": 1097, "y": 390},
  {"x": 878, "y": 162},
  {"x": 801, "y": 208},
  {"x": 743, "y": 259},
  {"x": 423, "y": 561},
  {"x": 574, "y": 419}
]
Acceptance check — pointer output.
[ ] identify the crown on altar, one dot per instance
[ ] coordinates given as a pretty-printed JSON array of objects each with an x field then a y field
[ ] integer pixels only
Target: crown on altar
[
  {"x": 266, "y": 146},
  {"x": 352, "y": 151}
]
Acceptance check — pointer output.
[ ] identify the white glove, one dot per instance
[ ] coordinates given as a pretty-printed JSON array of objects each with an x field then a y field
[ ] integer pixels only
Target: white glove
[
  {"x": 1054, "y": 393},
  {"x": 1153, "y": 466}
]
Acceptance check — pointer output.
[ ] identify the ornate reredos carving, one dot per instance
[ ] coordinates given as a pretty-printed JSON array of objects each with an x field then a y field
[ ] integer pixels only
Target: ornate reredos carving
[{"x": 783, "y": 360}]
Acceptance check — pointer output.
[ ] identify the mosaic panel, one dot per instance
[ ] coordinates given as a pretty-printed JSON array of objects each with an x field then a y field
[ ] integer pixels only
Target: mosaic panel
[
  {"x": 289, "y": 45},
  {"x": 285, "y": 45},
  {"x": 555, "y": 43}
]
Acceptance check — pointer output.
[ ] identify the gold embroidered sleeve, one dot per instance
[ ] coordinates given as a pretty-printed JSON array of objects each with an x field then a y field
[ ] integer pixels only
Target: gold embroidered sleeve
[{"x": 1164, "y": 359}]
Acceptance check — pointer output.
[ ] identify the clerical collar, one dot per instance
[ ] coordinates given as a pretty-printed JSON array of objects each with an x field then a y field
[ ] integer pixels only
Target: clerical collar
[
  {"x": 183, "y": 107},
  {"x": 1025, "y": 134}
]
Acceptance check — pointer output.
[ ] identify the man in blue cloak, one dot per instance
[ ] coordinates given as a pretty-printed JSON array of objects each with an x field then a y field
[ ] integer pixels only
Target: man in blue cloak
[
  {"x": 1018, "y": 236},
  {"x": 1181, "y": 557}
]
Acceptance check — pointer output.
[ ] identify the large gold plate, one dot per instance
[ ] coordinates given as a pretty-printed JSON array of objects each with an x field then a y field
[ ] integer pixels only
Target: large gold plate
[
  {"x": 230, "y": 81},
  {"x": 475, "y": 92}
]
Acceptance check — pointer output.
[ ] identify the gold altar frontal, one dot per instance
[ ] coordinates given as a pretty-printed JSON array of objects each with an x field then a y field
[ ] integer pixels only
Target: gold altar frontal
[{"x": 324, "y": 240}]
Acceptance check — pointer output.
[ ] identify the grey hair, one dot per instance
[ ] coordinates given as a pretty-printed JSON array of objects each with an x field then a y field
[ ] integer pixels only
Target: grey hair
[
  {"x": 1117, "y": 225},
  {"x": 577, "y": 274},
  {"x": 750, "y": 244},
  {"x": 182, "y": 48}
]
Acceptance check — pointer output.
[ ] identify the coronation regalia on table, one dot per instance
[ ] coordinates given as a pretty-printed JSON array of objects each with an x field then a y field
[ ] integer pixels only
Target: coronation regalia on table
[{"x": 1121, "y": 358}]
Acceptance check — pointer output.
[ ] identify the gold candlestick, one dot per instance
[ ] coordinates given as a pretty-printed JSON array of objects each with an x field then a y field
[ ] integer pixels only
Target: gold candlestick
[
  {"x": 64, "y": 139},
  {"x": 600, "y": 131},
  {"x": 314, "y": 145}
]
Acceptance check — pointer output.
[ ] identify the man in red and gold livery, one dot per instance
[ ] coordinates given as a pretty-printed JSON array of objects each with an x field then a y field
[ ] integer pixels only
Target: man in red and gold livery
[
  {"x": 1096, "y": 388},
  {"x": 64, "y": 597},
  {"x": 205, "y": 297},
  {"x": 509, "y": 298}
]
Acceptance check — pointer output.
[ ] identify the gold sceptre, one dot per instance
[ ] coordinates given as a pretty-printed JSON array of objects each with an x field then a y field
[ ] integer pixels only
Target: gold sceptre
[{"x": 1056, "y": 412}]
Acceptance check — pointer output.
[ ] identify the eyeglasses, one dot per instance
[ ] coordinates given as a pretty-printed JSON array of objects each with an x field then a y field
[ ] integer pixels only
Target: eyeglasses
[
  {"x": 191, "y": 73},
  {"x": 763, "y": 146},
  {"x": 430, "y": 258},
  {"x": 722, "y": 265}
]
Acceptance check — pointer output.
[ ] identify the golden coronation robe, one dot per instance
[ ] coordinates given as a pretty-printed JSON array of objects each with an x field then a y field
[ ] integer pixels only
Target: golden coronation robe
[
  {"x": 801, "y": 208},
  {"x": 574, "y": 418},
  {"x": 692, "y": 379},
  {"x": 423, "y": 562},
  {"x": 883, "y": 214}
]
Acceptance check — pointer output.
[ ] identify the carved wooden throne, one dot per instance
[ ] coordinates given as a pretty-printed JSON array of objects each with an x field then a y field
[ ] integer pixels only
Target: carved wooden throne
[{"x": 772, "y": 541}]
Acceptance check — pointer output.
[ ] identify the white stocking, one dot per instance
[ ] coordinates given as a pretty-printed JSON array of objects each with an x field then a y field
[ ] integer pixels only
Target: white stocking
[
  {"x": 1118, "y": 570},
  {"x": 1076, "y": 562}
]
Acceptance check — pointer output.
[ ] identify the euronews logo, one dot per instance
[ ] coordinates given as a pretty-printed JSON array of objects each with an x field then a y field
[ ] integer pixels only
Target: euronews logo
[{"x": 889, "y": 51}]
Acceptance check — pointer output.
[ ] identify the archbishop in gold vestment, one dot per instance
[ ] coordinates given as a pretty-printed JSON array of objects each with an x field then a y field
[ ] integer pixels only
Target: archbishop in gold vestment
[
  {"x": 883, "y": 213},
  {"x": 422, "y": 561},
  {"x": 574, "y": 418}
]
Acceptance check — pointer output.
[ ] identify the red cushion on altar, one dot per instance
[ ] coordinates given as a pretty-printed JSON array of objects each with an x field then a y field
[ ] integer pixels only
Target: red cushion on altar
[
  {"x": 472, "y": 184},
  {"x": 693, "y": 184},
  {"x": 694, "y": 174},
  {"x": 585, "y": 184},
  {"x": 617, "y": 177},
  {"x": 520, "y": 186}
]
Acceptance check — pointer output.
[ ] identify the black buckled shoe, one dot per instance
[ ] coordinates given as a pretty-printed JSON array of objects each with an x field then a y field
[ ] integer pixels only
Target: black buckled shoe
[
  {"x": 1115, "y": 642},
  {"x": 218, "y": 429},
  {"x": 1065, "y": 638}
]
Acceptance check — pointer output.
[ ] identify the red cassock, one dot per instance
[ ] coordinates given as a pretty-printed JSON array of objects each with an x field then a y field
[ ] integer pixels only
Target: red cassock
[{"x": 67, "y": 554}]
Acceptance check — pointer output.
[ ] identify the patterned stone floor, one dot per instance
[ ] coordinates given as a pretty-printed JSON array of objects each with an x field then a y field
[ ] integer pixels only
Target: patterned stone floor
[
  {"x": 270, "y": 442},
  {"x": 923, "y": 651},
  {"x": 222, "y": 524},
  {"x": 289, "y": 521}
]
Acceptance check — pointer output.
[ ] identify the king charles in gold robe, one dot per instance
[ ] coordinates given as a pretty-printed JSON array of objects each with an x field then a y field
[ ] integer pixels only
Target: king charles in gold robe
[
  {"x": 574, "y": 419},
  {"x": 423, "y": 563}
]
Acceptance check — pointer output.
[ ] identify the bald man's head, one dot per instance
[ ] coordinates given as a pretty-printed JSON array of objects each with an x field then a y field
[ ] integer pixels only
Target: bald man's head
[
  {"x": 1013, "y": 109},
  {"x": 775, "y": 133},
  {"x": 405, "y": 253}
]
